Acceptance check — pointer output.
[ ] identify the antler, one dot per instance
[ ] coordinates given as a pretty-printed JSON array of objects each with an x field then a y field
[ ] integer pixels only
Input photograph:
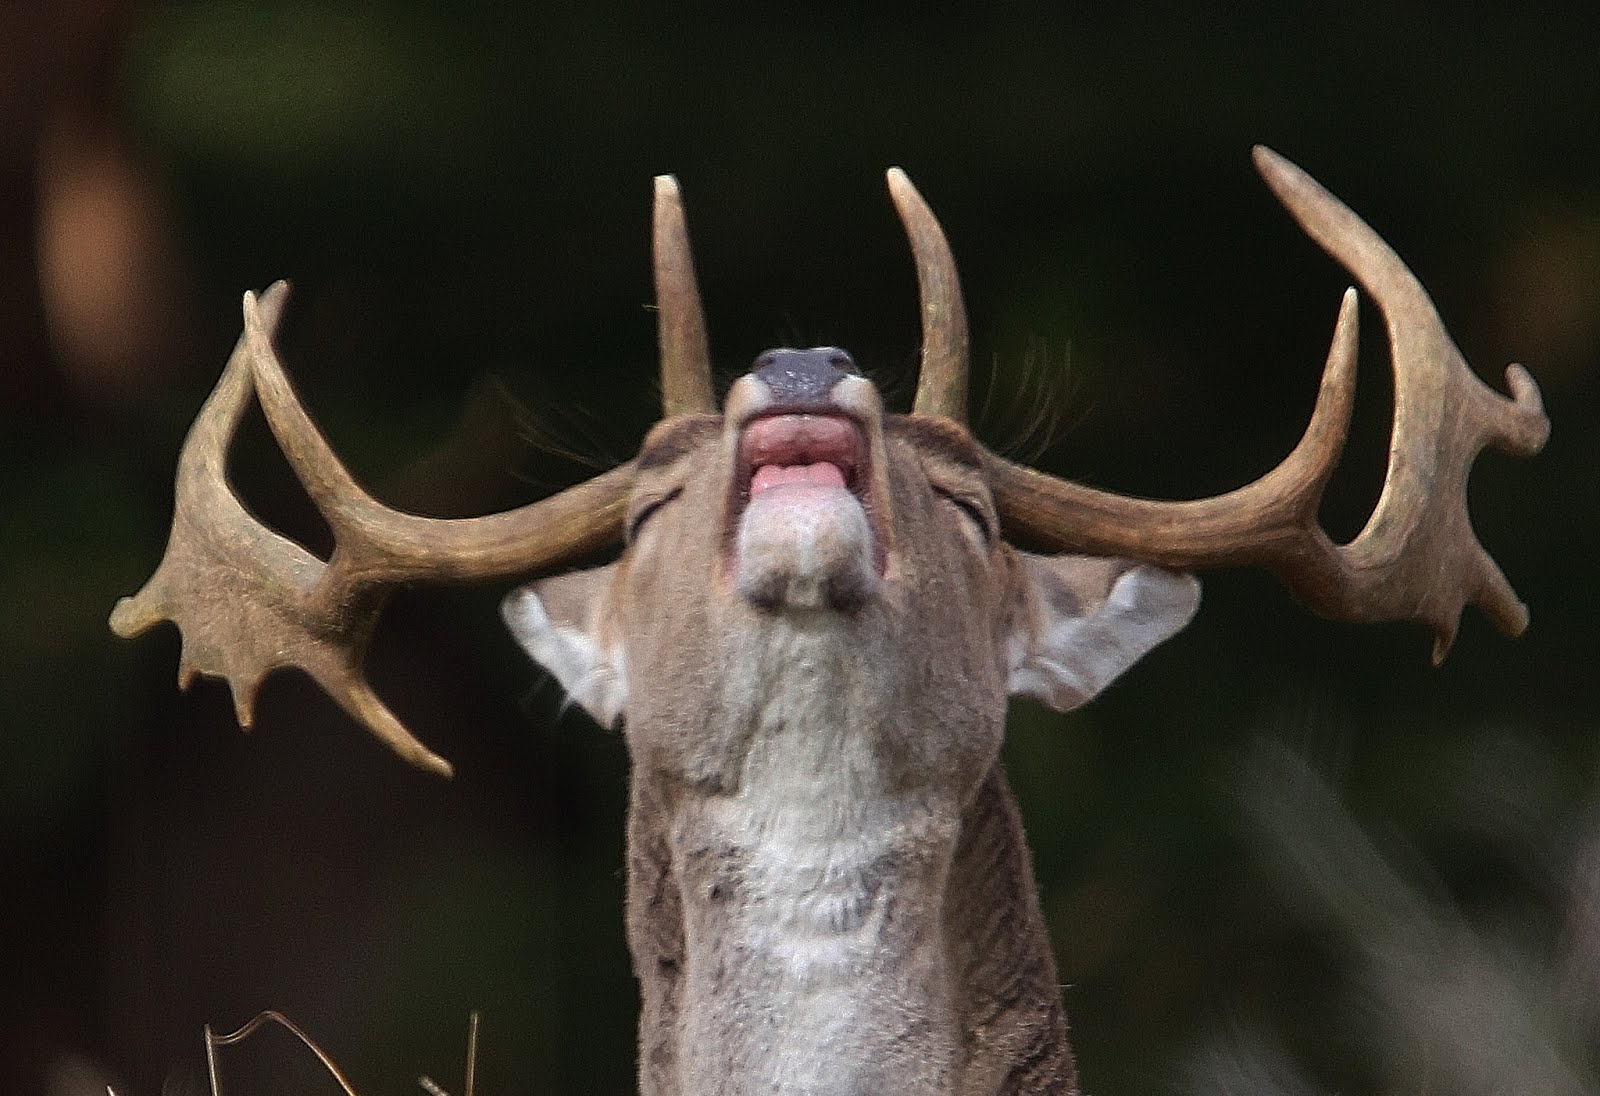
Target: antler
[
  {"x": 942, "y": 380},
  {"x": 1418, "y": 557},
  {"x": 681, "y": 323},
  {"x": 249, "y": 601}
]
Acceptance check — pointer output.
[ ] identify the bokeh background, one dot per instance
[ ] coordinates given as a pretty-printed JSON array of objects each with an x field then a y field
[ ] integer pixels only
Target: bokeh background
[{"x": 1280, "y": 856}]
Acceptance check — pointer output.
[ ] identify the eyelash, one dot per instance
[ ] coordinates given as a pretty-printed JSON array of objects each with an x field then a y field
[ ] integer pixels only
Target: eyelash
[
  {"x": 648, "y": 511},
  {"x": 972, "y": 510}
]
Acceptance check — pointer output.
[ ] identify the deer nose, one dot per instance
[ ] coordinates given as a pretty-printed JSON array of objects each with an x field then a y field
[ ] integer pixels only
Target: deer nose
[{"x": 801, "y": 379}]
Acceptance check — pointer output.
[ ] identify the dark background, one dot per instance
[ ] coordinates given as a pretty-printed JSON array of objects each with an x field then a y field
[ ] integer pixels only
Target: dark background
[{"x": 1281, "y": 855}]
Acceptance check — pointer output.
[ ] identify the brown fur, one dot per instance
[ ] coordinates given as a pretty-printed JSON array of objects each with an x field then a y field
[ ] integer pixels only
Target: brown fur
[{"x": 829, "y": 890}]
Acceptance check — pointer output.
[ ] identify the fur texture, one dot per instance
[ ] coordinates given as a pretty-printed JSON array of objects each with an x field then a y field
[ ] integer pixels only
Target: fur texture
[{"x": 829, "y": 891}]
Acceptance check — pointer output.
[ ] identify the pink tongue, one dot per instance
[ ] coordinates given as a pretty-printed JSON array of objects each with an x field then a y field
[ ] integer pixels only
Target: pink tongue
[{"x": 821, "y": 474}]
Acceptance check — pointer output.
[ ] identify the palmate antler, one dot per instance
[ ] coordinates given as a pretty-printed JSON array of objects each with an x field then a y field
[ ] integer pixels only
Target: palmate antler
[
  {"x": 249, "y": 601},
  {"x": 1417, "y": 558}
]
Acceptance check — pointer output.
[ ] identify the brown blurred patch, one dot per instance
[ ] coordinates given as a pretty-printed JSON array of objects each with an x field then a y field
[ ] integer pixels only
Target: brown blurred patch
[
  {"x": 1547, "y": 291},
  {"x": 110, "y": 275},
  {"x": 92, "y": 271}
]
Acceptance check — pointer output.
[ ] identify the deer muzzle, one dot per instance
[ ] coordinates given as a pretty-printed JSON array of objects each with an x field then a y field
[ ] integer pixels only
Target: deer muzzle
[{"x": 801, "y": 530}]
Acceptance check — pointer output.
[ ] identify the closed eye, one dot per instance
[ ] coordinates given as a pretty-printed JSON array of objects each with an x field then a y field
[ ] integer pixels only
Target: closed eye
[
  {"x": 649, "y": 510},
  {"x": 973, "y": 510}
]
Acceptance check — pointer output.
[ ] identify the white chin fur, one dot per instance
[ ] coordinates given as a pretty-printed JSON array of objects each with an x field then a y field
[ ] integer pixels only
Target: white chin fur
[{"x": 802, "y": 547}]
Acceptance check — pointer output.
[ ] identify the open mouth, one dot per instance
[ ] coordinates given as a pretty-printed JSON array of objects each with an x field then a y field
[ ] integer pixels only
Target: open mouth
[
  {"x": 796, "y": 456},
  {"x": 808, "y": 451}
]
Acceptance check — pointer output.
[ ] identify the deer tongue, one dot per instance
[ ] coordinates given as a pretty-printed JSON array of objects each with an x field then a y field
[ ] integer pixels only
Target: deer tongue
[
  {"x": 800, "y": 450},
  {"x": 821, "y": 474}
]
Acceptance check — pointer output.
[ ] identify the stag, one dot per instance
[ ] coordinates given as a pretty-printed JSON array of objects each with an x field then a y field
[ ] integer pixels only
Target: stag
[{"x": 809, "y": 639}]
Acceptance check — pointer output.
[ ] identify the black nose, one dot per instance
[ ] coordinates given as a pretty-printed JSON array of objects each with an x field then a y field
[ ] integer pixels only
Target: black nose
[{"x": 799, "y": 378}]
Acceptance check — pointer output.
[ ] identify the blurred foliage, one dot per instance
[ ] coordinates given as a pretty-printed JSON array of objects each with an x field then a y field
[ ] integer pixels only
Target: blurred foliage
[{"x": 461, "y": 191}]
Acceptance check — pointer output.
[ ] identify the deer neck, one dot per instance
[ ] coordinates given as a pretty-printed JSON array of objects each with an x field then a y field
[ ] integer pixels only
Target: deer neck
[{"x": 811, "y": 868}]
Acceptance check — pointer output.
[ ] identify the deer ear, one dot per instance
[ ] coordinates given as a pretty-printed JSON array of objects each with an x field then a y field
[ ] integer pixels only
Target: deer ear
[
  {"x": 1081, "y": 621},
  {"x": 560, "y": 622}
]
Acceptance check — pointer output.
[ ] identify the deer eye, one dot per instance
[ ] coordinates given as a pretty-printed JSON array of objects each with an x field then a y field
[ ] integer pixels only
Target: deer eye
[
  {"x": 972, "y": 509},
  {"x": 647, "y": 509}
]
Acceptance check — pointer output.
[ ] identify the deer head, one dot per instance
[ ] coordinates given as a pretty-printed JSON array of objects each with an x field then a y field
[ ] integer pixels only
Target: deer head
[{"x": 804, "y": 559}]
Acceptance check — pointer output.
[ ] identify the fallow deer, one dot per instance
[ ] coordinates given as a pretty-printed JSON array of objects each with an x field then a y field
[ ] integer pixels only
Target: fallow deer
[{"x": 809, "y": 639}]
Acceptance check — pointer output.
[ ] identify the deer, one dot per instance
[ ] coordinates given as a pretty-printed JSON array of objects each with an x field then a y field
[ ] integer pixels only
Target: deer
[{"x": 809, "y": 636}]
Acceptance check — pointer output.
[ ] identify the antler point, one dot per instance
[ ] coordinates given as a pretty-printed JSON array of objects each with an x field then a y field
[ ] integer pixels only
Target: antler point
[
  {"x": 128, "y": 619},
  {"x": 1267, "y": 161},
  {"x": 901, "y": 189},
  {"x": 1444, "y": 636},
  {"x": 1530, "y": 403}
]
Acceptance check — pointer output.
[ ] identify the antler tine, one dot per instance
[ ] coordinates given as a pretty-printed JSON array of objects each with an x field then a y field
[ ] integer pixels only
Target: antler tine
[
  {"x": 1418, "y": 557},
  {"x": 942, "y": 381},
  {"x": 681, "y": 322},
  {"x": 248, "y": 601}
]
